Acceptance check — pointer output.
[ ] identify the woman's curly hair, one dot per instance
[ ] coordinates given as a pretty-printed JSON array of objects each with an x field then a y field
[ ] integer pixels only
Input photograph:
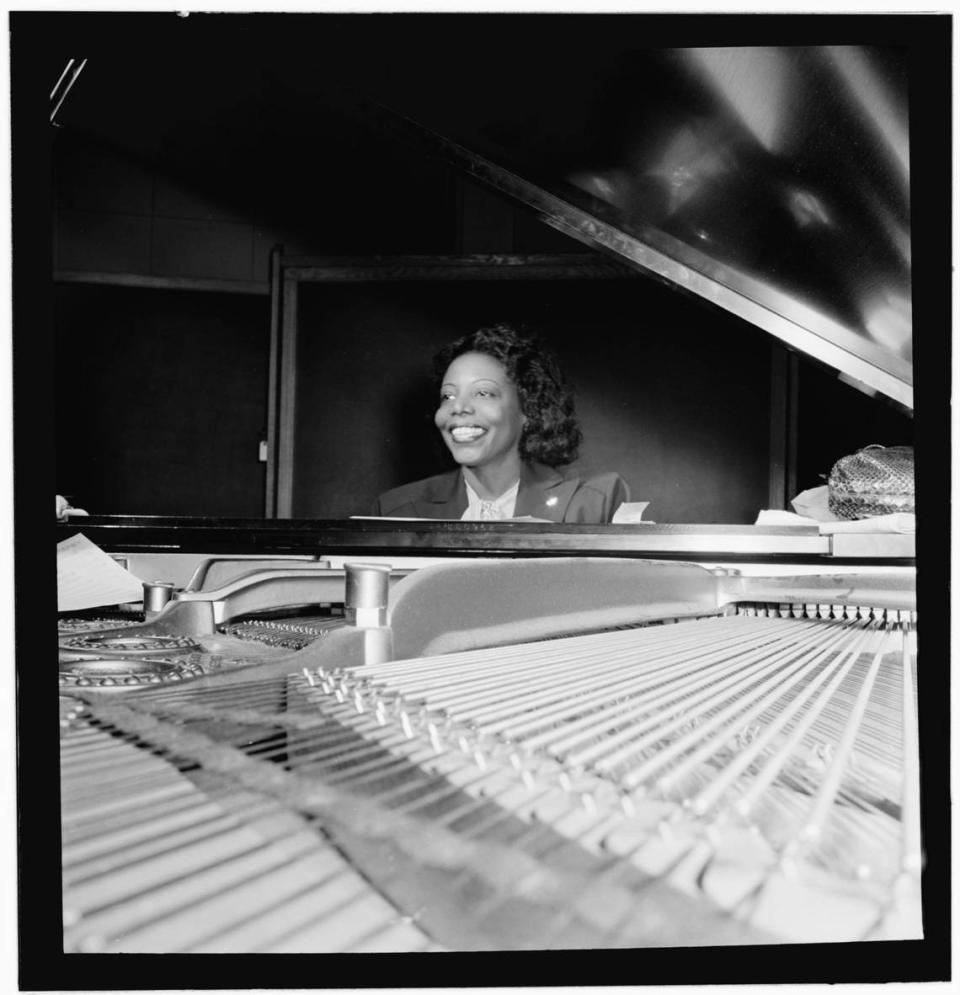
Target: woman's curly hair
[{"x": 551, "y": 434}]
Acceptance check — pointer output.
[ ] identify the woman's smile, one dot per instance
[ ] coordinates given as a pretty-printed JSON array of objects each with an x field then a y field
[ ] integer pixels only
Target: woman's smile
[
  {"x": 467, "y": 433},
  {"x": 479, "y": 414}
]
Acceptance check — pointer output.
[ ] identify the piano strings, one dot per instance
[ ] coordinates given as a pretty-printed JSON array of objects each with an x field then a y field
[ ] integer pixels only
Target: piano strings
[{"x": 769, "y": 764}]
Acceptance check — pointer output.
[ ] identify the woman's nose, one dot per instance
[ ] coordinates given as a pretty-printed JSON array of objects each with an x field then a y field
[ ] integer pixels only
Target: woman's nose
[{"x": 462, "y": 404}]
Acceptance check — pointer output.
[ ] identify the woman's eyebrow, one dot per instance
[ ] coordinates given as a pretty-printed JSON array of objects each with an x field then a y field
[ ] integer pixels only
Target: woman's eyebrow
[{"x": 473, "y": 383}]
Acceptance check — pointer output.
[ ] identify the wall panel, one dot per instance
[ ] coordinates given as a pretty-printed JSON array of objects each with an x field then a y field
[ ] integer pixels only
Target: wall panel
[{"x": 161, "y": 400}]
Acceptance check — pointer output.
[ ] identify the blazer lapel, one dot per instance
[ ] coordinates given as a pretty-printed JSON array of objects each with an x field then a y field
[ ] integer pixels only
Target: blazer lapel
[
  {"x": 444, "y": 496},
  {"x": 544, "y": 493}
]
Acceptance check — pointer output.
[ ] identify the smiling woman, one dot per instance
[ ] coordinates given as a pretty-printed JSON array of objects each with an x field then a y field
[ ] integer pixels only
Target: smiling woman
[{"x": 506, "y": 413}]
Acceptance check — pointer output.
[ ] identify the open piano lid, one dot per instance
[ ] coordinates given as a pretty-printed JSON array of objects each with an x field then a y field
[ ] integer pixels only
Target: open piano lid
[{"x": 773, "y": 182}]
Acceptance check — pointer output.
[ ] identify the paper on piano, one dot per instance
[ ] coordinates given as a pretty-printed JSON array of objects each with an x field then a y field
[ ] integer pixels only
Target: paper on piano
[
  {"x": 772, "y": 516},
  {"x": 88, "y": 578},
  {"x": 814, "y": 503},
  {"x": 902, "y": 522},
  {"x": 631, "y": 513}
]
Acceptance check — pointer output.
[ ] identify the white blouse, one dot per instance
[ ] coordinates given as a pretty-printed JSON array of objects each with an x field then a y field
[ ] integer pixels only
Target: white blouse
[{"x": 478, "y": 509}]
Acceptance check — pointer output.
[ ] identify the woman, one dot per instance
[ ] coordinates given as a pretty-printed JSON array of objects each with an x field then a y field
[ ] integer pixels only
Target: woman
[{"x": 506, "y": 415}]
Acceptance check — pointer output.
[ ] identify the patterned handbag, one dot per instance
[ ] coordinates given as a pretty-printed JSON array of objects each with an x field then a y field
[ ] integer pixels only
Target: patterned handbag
[{"x": 877, "y": 480}]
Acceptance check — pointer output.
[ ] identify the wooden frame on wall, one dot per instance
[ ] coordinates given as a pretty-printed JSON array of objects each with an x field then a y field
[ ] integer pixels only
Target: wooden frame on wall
[
  {"x": 289, "y": 272},
  {"x": 293, "y": 270}
]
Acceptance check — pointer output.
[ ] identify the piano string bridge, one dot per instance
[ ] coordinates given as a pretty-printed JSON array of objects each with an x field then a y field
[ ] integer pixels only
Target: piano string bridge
[{"x": 824, "y": 611}]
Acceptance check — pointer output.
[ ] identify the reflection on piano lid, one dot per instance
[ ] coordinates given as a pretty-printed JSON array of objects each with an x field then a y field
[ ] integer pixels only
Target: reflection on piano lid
[{"x": 771, "y": 180}]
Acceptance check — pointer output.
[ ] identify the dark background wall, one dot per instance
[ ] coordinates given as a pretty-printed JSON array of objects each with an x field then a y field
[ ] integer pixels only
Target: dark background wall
[
  {"x": 161, "y": 400},
  {"x": 835, "y": 420}
]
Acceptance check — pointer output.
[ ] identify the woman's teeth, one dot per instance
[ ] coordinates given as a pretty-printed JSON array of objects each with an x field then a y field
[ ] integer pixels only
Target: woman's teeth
[{"x": 466, "y": 433}]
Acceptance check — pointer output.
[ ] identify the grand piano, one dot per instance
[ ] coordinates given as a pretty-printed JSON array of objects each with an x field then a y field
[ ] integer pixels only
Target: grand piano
[{"x": 341, "y": 734}]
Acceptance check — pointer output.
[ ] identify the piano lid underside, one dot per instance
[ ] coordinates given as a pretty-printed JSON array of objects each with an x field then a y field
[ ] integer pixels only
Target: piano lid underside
[{"x": 770, "y": 179}]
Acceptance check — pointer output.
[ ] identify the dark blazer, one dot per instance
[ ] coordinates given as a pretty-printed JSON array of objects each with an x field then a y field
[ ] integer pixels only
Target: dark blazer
[{"x": 558, "y": 495}]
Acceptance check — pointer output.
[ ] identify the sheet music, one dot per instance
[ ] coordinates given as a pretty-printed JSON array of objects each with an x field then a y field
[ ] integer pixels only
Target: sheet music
[
  {"x": 88, "y": 578},
  {"x": 631, "y": 513}
]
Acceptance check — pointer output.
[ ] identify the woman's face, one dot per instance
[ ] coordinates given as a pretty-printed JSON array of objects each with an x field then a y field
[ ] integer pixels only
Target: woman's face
[{"x": 479, "y": 415}]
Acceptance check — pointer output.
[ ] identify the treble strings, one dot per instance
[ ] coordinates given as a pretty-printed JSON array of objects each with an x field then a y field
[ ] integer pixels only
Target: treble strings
[
  {"x": 657, "y": 720},
  {"x": 662, "y": 712},
  {"x": 657, "y": 747}
]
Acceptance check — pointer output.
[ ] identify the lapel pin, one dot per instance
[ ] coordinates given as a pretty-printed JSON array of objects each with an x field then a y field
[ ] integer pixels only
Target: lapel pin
[{"x": 551, "y": 501}]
